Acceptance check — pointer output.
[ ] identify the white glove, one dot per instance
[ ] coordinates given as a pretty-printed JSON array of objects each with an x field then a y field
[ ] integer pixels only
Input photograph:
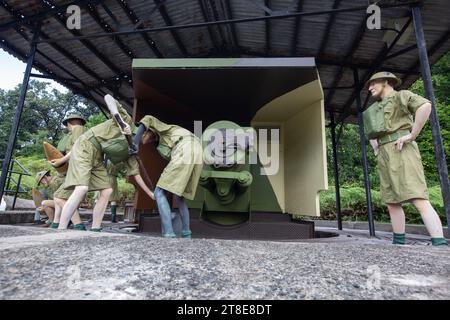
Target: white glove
[{"x": 112, "y": 104}]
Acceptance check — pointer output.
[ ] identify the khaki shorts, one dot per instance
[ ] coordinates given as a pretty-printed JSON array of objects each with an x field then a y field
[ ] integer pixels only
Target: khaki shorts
[
  {"x": 401, "y": 173},
  {"x": 86, "y": 167},
  {"x": 62, "y": 193}
]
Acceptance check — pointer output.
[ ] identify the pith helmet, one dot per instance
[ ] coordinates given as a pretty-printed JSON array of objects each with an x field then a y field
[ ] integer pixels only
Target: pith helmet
[
  {"x": 385, "y": 75},
  {"x": 40, "y": 175},
  {"x": 74, "y": 116}
]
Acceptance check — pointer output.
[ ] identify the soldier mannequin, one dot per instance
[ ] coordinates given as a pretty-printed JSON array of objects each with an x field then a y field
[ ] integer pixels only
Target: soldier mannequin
[
  {"x": 75, "y": 125},
  {"x": 86, "y": 169},
  {"x": 48, "y": 206},
  {"x": 180, "y": 177},
  {"x": 400, "y": 167}
]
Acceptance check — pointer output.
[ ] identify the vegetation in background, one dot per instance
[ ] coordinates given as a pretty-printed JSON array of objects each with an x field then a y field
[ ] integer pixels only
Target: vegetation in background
[
  {"x": 45, "y": 109},
  {"x": 350, "y": 164}
]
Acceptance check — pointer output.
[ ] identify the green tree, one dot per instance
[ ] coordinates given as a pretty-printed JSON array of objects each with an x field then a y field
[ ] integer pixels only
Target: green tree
[
  {"x": 441, "y": 83},
  {"x": 41, "y": 118}
]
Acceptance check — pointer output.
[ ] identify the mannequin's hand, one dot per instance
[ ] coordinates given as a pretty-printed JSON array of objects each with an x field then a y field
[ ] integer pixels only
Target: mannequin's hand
[{"x": 401, "y": 141}]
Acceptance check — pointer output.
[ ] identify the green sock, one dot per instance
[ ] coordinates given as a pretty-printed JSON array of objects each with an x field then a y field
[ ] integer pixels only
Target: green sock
[
  {"x": 186, "y": 234},
  {"x": 96, "y": 229},
  {"x": 399, "y": 238},
  {"x": 439, "y": 242},
  {"x": 169, "y": 235},
  {"x": 113, "y": 213},
  {"x": 79, "y": 226},
  {"x": 54, "y": 225}
]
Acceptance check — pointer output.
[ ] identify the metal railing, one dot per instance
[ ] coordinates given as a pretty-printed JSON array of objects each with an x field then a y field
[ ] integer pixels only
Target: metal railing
[{"x": 13, "y": 186}]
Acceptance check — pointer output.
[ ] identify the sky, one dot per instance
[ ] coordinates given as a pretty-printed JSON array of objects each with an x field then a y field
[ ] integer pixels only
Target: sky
[{"x": 12, "y": 70}]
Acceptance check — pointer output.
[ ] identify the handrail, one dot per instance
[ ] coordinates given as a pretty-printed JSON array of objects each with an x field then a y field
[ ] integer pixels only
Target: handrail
[{"x": 18, "y": 188}]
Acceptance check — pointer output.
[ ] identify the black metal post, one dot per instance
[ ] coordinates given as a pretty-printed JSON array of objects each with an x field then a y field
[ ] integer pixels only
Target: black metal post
[
  {"x": 362, "y": 139},
  {"x": 336, "y": 171},
  {"x": 434, "y": 120},
  {"x": 17, "y": 116},
  {"x": 17, "y": 191},
  {"x": 11, "y": 168}
]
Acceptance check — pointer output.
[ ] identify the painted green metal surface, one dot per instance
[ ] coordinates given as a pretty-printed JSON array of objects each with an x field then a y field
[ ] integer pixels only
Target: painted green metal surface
[
  {"x": 183, "y": 63},
  {"x": 228, "y": 194}
]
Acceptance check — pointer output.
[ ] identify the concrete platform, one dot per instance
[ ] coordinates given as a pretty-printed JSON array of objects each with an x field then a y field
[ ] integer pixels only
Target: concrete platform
[{"x": 38, "y": 263}]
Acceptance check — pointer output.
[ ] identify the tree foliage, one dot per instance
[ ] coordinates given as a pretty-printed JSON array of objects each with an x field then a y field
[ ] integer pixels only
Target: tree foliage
[
  {"x": 349, "y": 150},
  {"x": 41, "y": 119}
]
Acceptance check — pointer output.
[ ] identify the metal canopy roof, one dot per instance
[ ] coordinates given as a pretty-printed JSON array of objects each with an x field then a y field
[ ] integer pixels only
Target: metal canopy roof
[{"x": 332, "y": 31}]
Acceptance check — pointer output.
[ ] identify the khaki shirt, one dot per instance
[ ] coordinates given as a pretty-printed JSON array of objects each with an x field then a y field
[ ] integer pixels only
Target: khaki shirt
[
  {"x": 63, "y": 142},
  {"x": 76, "y": 132},
  {"x": 182, "y": 173},
  {"x": 68, "y": 140},
  {"x": 110, "y": 130},
  {"x": 169, "y": 134},
  {"x": 399, "y": 110},
  {"x": 54, "y": 185}
]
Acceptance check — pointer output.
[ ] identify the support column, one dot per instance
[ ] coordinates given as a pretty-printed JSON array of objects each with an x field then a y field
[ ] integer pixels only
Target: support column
[
  {"x": 336, "y": 171},
  {"x": 434, "y": 120},
  {"x": 18, "y": 114},
  {"x": 362, "y": 139}
]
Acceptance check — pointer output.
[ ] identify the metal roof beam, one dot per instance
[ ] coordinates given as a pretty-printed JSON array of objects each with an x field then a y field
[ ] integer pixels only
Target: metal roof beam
[
  {"x": 331, "y": 19},
  {"x": 206, "y": 19},
  {"x": 435, "y": 47},
  {"x": 401, "y": 52},
  {"x": 362, "y": 67},
  {"x": 212, "y": 7},
  {"x": 53, "y": 77},
  {"x": 45, "y": 14},
  {"x": 168, "y": 21},
  {"x": 88, "y": 44},
  {"x": 223, "y": 22},
  {"x": 354, "y": 46},
  {"x": 268, "y": 4},
  {"x": 296, "y": 29},
  {"x": 135, "y": 20},
  {"x": 229, "y": 11},
  {"x": 93, "y": 12}
]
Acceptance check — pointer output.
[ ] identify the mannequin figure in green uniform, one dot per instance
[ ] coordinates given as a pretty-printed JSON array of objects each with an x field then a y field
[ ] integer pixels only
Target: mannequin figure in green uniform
[
  {"x": 75, "y": 126},
  {"x": 180, "y": 177},
  {"x": 392, "y": 125},
  {"x": 86, "y": 170}
]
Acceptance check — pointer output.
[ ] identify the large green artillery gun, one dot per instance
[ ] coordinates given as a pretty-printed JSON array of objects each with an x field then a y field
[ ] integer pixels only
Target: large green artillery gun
[
  {"x": 264, "y": 142},
  {"x": 226, "y": 175}
]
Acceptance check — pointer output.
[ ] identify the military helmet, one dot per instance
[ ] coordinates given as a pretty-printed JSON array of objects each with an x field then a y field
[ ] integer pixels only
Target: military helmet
[
  {"x": 74, "y": 116},
  {"x": 384, "y": 75},
  {"x": 40, "y": 175}
]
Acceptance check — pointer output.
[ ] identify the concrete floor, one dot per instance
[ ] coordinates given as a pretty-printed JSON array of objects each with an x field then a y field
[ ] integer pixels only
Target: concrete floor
[{"x": 38, "y": 263}]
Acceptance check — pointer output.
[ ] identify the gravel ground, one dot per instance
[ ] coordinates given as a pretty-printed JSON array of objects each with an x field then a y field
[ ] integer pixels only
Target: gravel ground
[{"x": 50, "y": 264}]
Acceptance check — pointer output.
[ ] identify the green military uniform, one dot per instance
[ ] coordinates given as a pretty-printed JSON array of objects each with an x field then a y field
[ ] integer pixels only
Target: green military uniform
[
  {"x": 53, "y": 185},
  {"x": 401, "y": 172},
  {"x": 62, "y": 143},
  {"x": 184, "y": 152},
  {"x": 65, "y": 146},
  {"x": 86, "y": 161},
  {"x": 114, "y": 171}
]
